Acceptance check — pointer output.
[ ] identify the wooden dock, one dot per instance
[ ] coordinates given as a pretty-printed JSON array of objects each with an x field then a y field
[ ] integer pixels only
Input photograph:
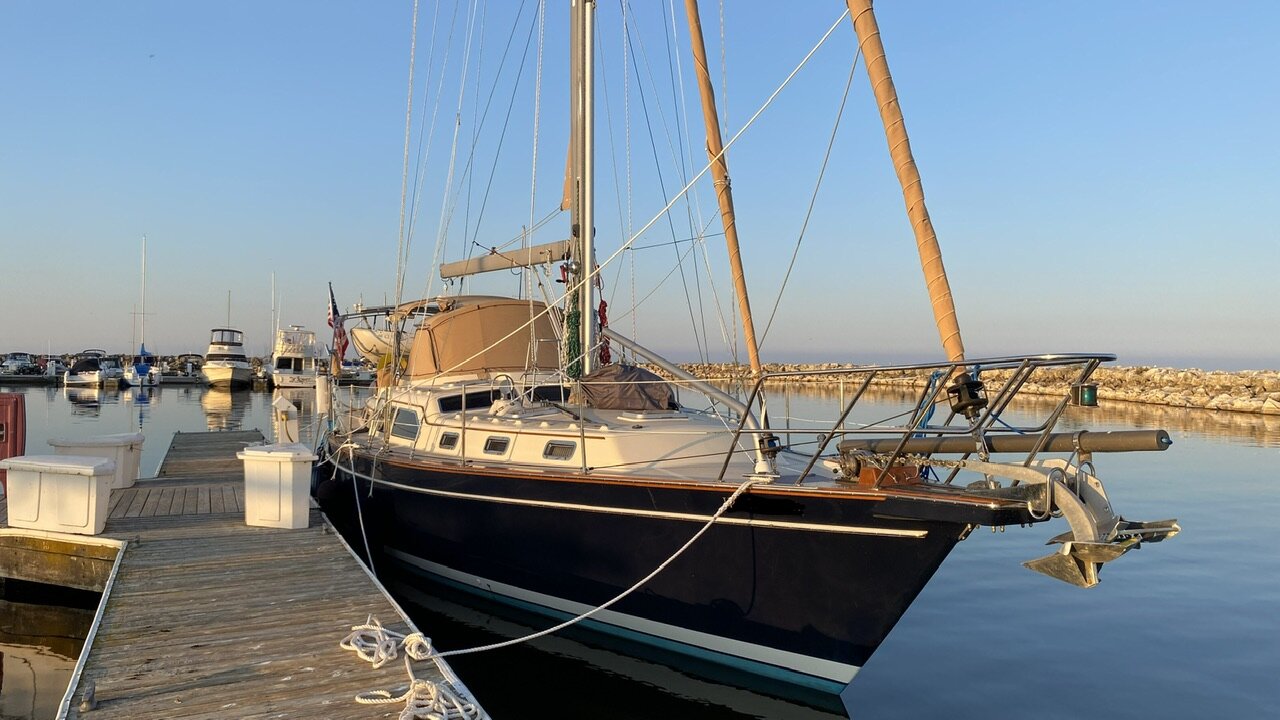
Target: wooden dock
[{"x": 210, "y": 618}]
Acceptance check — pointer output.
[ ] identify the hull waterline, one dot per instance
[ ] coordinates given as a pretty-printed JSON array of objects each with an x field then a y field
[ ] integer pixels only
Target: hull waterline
[{"x": 795, "y": 592}]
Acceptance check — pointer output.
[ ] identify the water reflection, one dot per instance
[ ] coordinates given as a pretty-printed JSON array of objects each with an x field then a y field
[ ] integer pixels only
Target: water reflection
[
  {"x": 140, "y": 399},
  {"x": 224, "y": 409},
  {"x": 84, "y": 401},
  {"x": 39, "y": 644},
  {"x": 302, "y": 398}
]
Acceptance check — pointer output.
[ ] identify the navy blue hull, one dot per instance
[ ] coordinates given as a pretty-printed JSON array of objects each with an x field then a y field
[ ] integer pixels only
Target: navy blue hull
[{"x": 811, "y": 587}]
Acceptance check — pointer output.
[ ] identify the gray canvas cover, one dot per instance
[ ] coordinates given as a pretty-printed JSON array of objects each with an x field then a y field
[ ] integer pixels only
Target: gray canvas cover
[{"x": 626, "y": 387}]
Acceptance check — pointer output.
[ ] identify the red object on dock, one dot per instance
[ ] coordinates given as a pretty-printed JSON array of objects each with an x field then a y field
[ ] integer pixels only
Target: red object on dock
[{"x": 13, "y": 429}]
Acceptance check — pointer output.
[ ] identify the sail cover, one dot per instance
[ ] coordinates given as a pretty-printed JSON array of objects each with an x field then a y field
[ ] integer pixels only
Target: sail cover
[{"x": 626, "y": 387}]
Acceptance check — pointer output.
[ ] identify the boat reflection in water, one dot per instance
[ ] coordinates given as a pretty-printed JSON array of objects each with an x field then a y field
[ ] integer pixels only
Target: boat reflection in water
[
  {"x": 302, "y": 398},
  {"x": 223, "y": 409},
  {"x": 141, "y": 399},
  {"x": 84, "y": 400}
]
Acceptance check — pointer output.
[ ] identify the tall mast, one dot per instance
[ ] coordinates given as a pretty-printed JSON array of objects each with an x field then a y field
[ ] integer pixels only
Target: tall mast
[
  {"x": 142, "y": 335},
  {"x": 582, "y": 210},
  {"x": 720, "y": 172},
  {"x": 895, "y": 130}
]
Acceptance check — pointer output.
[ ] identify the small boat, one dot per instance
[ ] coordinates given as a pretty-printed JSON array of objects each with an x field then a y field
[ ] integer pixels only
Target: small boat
[
  {"x": 356, "y": 372},
  {"x": 141, "y": 370},
  {"x": 225, "y": 365},
  {"x": 20, "y": 363},
  {"x": 374, "y": 330},
  {"x": 92, "y": 368},
  {"x": 294, "y": 358}
]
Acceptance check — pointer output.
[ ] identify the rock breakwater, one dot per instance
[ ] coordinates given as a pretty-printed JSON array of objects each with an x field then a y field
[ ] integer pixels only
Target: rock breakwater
[{"x": 1245, "y": 391}]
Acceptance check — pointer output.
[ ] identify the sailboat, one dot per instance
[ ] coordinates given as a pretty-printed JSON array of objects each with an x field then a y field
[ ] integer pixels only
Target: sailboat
[
  {"x": 141, "y": 372},
  {"x": 509, "y": 457}
]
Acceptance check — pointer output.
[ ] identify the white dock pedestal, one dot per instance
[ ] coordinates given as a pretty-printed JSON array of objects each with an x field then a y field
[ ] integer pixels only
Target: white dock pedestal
[
  {"x": 124, "y": 448},
  {"x": 61, "y": 493},
  {"x": 277, "y": 485}
]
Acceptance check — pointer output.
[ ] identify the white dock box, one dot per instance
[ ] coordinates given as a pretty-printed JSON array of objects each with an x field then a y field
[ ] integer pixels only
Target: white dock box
[
  {"x": 277, "y": 485},
  {"x": 124, "y": 448},
  {"x": 62, "y": 493}
]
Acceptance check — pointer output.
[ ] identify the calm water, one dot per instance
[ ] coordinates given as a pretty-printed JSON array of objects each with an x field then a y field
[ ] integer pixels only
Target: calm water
[{"x": 1189, "y": 628}]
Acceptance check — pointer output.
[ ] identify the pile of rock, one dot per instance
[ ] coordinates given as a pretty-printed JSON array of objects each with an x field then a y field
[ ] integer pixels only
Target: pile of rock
[{"x": 1249, "y": 391}]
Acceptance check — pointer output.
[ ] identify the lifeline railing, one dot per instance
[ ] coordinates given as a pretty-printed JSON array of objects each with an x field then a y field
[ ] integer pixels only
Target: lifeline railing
[{"x": 981, "y": 411}]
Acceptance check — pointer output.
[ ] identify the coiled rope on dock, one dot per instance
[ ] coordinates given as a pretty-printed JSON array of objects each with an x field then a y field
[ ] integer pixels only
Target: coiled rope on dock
[{"x": 423, "y": 699}]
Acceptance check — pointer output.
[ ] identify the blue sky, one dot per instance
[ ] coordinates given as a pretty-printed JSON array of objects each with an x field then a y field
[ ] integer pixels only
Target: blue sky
[{"x": 1102, "y": 175}]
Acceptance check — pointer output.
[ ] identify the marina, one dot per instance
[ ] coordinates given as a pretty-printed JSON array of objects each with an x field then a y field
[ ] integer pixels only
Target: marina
[
  {"x": 1197, "y": 608},
  {"x": 203, "y": 616},
  {"x": 654, "y": 396}
]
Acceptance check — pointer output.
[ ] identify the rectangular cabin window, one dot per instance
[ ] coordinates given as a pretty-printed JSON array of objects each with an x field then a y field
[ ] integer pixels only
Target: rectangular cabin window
[
  {"x": 475, "y": 400},
  {"x": 448, "y": 441},
  {"x": 496, "y": 445},
  {"x": 558, "y": 450},
  {"x": 405, "y": 424},
  {"x": 551, "y": 393}
]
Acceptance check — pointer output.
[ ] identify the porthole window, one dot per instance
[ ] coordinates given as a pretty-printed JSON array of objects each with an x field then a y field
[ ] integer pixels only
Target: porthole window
[
  {"x": 496, "y": 445},
  {"x": 558, "y": 450},
  {"x": 448, "y": 441},
  {"x": 405, "y": 424}
]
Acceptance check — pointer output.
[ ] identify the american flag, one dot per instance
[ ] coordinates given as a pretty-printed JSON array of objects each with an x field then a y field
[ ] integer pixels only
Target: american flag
[{"x": 339, "y": 332}]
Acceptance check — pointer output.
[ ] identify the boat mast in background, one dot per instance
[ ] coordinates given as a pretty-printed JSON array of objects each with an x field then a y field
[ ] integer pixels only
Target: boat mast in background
[{"x": 895, "y": 130}]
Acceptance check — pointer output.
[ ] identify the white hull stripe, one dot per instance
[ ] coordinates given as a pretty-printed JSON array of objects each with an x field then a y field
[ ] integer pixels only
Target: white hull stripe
[
  {"x": 794, "y": 662},
  {"x": 774, "y": 524}
]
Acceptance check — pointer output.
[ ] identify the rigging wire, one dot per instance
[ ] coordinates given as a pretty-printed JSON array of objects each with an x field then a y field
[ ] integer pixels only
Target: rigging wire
[
  {"x": 484, "y": 202},
  {"x": 422, "y": 167},
  {"x": 468, "y": 177},
  {"x": 446, "y": 212},
  {"x": 662, "y": 187},
  {"x": 469, "y": 165},
  {"x": 424, "y": 149},
  {"x": 813, "y": 198},
  {"x": 724, "y": 76},
  {"x": 594, "y": 272},
  {"x": 693, "y": 210},
  {"x": 527, "y": 236},
  {"x": 733, "y": 140},
  {"x": 403, "y": 250}
]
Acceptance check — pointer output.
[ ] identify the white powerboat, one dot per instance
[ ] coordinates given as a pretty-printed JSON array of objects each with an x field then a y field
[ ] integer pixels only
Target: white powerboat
[
  {"x": 225, "y": 364},
  {"x": 294, "y": 358}
]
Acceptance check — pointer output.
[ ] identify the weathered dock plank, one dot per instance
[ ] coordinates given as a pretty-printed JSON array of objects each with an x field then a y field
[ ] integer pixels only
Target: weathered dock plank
[{"x": 210, "y": 618}]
